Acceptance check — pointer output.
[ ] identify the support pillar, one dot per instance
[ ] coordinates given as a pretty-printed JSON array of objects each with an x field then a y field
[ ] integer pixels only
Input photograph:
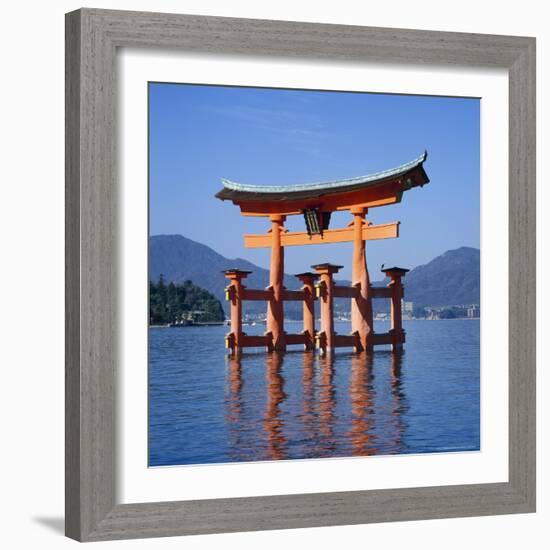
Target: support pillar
[
  {"x": 234, "y": 293},
  {"x": 326, "y": 337},
  {"x": 361, "y": 306},
  {"x": 309, "y": 307},
  {"x": 397, "y": 332},
  {"x": 275, "y": 309}
]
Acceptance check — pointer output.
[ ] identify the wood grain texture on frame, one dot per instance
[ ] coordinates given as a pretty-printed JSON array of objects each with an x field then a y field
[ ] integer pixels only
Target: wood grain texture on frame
[{"x": 92, "y": 38}]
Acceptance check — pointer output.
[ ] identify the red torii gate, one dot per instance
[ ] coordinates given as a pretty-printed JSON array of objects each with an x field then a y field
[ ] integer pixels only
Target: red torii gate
[{"x": 316, "y": 202}]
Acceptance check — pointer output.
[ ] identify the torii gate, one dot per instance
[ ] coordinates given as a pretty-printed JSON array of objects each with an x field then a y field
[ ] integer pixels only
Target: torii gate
[{"x": 316, "y": 202}]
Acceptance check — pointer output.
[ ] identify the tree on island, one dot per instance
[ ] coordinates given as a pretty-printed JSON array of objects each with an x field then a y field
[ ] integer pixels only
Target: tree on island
[{"x": 171, "y": 303}]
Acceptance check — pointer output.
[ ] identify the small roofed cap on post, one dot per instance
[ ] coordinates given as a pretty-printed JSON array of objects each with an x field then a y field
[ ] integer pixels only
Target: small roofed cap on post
[
  {"x": 395, "y": 270},
  {"x": 236, "y": 272},
  {"x": 306, "y": 274},
  {"x": 331, "y": 268}
]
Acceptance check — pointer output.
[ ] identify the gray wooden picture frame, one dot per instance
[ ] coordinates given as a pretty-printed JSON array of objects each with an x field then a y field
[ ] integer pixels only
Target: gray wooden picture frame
[{"x": 92, "y": 39}]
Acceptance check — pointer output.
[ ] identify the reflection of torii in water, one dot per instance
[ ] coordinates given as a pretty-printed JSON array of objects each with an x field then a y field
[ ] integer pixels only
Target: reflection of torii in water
[
  {"x": 316, "y": 202},
  {"x": 273, "y": 423},
  {"x": 319, "y": 416}
]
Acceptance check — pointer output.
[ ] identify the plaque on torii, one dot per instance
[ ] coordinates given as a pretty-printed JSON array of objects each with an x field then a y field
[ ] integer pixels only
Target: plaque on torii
[{"x": 316, "y": 202}]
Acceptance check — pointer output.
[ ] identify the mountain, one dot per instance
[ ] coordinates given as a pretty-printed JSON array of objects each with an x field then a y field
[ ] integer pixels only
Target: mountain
[{"x": 449, "y": 279}]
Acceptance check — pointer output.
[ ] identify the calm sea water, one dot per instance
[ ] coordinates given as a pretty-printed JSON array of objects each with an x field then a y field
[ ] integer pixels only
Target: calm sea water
[{"x": 207, "y": 408}]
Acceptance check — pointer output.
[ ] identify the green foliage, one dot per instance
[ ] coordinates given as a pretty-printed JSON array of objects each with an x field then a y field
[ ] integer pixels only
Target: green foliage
[{"x": 170, "y": 303}]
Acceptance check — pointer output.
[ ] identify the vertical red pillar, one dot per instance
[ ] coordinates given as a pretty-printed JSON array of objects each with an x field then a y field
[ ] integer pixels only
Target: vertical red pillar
[
  {"x": 361, "y": 306},
  {"x": 309, "y": 307},
  {"x": 275, "y": 309},
  {"x": 326, "y": 295},
  {"x": 233, "y": 293},
  {"x": 398, "y": 334}
]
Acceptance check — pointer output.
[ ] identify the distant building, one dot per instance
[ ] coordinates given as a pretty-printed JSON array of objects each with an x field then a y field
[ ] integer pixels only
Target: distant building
[
  {"x": 473, "y": 312},
  {"x": 407, "y": 309}
]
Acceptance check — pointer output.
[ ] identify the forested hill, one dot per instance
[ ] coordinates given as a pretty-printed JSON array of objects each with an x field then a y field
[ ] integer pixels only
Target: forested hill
[
  {"x": 453, "y": 278},
  {"x": 170, "y": 303}
]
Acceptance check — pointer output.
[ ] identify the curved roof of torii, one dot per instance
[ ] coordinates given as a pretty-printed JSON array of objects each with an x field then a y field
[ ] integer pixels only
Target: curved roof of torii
[{"x": 238, "y": 192}]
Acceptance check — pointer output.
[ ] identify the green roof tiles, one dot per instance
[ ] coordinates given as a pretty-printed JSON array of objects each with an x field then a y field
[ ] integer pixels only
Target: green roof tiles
[{"x": 331, "y": 185}]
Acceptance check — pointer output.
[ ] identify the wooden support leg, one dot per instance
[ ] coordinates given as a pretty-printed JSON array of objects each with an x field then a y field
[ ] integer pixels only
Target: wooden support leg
[
  {"x": 397, "y": 332},
  {"x": 275, "y": 310},
  {"x": 326, "y": 295},
  {"x": 234, "y": 293},
  {"x": 327, "y": 311},
  {"x": 396, "y": 319},
  {"x": 361, "y": 305},
  {"x": 309, "y": 308}
]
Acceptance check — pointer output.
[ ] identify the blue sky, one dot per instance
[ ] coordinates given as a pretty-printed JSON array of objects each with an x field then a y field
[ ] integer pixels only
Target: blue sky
[{"x": 200, "y": 134}]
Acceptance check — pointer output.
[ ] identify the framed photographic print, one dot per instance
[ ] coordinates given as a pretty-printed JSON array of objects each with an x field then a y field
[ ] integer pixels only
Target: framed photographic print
[{"x": 300, "y": 275}]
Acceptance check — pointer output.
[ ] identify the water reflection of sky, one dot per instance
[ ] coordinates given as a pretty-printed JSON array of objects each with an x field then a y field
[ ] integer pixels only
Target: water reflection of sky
[{"x": 207, "y": 408}]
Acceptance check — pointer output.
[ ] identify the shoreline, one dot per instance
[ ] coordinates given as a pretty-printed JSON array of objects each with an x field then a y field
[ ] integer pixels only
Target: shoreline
[{"x": 296, "y": 321}]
